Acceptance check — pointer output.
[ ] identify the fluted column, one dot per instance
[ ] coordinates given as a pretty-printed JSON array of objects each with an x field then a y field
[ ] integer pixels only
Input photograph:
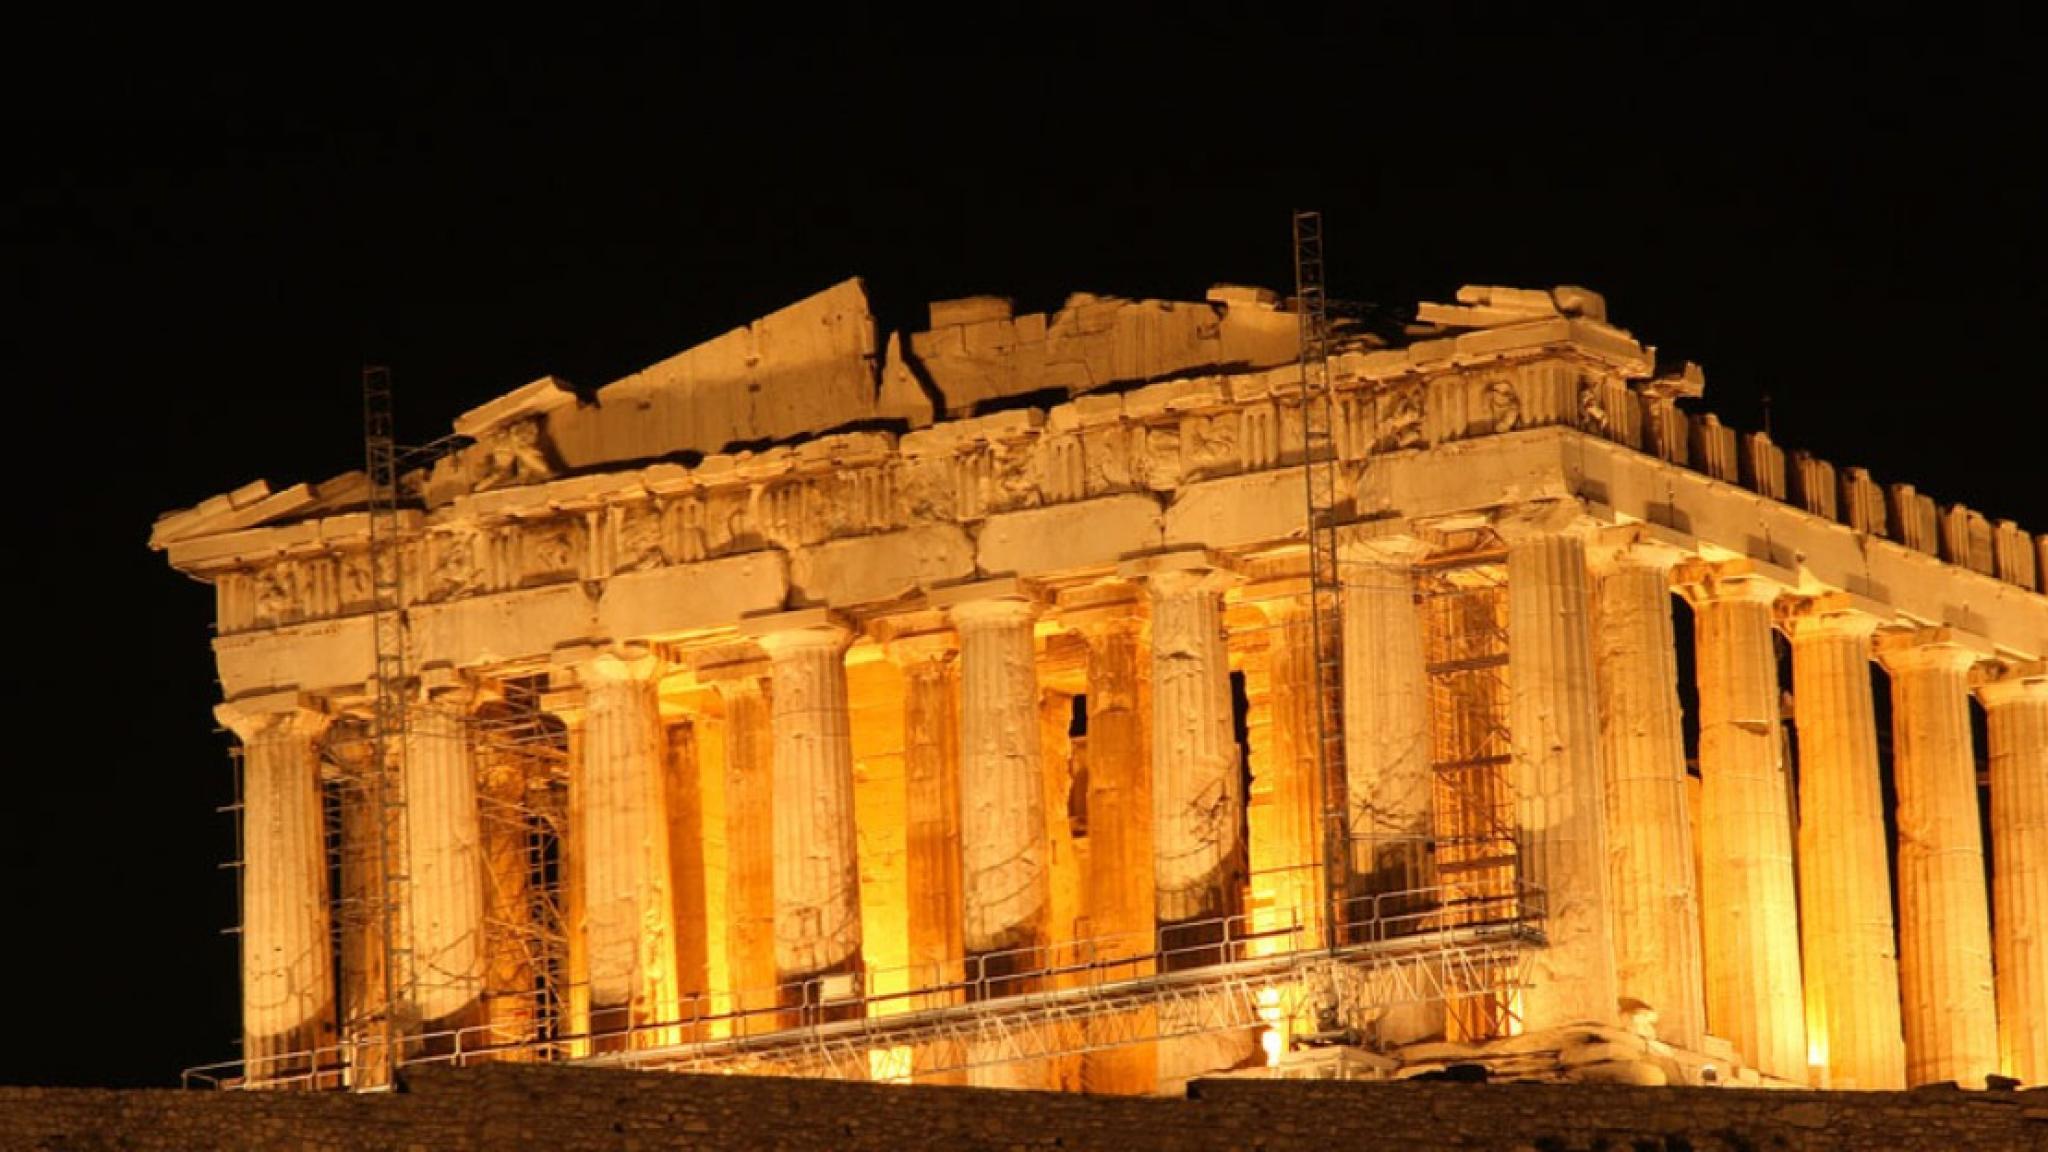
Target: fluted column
[
  {"x": 1388, "y": 774},
  {"x": 1944, "y": 911},
  {"x": 932, "y": 843},
  {"x": 683, "y": 789},
  {"x": 1554, "y": 723},
  {"x": 1198, "y": 851},
  {"x": 1197, "y": 783},
  {"x": 1120, "y": 885},
  {"x": 2016, "y": 708},
  {"x": 509, "y": 1004},
  {"x": 817, "y": 874},
  {"x": 931, "y": 770},
  {"x": 629, "y": 914},
  {"x": 1656, "y": 910},
  {"x": 444, "y": 859},
  {"x": 1290, "y": 851},
  {"x": 287, "y": 975},
  {"x": 1748, "y": 911},
  {"x": 1002, "y": 791},
  {"x": 1851, "y": 963},
  {"x": 749, "y": 739}
]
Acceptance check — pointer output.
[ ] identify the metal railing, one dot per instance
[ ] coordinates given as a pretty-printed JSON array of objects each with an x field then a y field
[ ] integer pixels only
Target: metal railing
[{"x": 1114, "y": 972}]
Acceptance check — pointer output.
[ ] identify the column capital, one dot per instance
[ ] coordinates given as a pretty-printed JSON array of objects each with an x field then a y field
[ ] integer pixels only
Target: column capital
[
  {"x": 1999, "y": 683},
  {"x": 1705, "y": 582},
  {"x": 612, "y": 664},
  {"x": 1635, "y": 546},
  {"x": 1379, "y": 545},
  {"x": 1099, "y": 609},
  {"x": 1192, "y": 570},
  {"x": 1004, "y": 601},
  {"x": 1522, "y": 522},
  {"x": 917, "y": 640},
  {"x": 271, "y": 715},
  {"x": 1929, "y": 649},
  {"x": 807, "y": 629},
  {"x": 1829, "y": 615}
]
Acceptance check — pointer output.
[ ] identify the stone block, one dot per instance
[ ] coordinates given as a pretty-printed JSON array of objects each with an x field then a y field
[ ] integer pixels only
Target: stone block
[
  {"x": 1238, "y": 510},
  {"x": 881, "y": 568},
  {"x": 1084, "y": 534}
]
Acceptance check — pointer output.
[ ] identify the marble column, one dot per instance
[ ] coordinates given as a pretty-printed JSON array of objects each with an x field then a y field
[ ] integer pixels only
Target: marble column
[
  {"x": 931, "y": 770},
  {"x": 1388, "y": 773},
  {"x": 1289, "y": 854},
  {"x": 1656, "y": 908},
  {"x": 629, "y": 913},
  {"x": 1197, "y": 782},
  {"x": 1198, "y": 851},
  {"x": 1944, "y": 911},
  {"x": 817, "y": 873},
  {"x": 749, "y": 739},
  {"x": 2016, "y": 708},
  {"x": 1554, "y": 724},
  {"x": 444, "y": 860},
  {"x": 510, "y": 1005},
  {"x": 1002, "y": 789},
  {"x": 1005, "y": 868},
  {"x": 1120, "y": 894},
  {"x": 682, "y": 786},
  {"x": 287, "y": 973},
  {"x": 1851, "y": 963},
  {"x": 1748, "y": 911}
]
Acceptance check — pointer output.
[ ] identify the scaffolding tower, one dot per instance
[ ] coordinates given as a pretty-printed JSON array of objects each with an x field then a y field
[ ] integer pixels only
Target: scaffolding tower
[{"x": 1319, "y": 465}]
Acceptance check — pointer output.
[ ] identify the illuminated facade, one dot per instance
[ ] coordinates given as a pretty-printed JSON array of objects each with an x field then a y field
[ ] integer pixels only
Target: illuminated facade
[{"x": 945, "y": 707}]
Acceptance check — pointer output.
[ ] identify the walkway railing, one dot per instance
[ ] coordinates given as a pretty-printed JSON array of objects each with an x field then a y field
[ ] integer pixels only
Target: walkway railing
[{"x": 908, "y": 1004}]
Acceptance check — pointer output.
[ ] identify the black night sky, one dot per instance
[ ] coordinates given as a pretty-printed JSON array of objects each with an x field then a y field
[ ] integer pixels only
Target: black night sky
[{"x": 207, "y": 230}]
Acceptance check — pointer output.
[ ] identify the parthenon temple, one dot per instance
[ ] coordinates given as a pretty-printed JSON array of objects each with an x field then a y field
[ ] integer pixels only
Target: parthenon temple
[{"x": 967, "y": 706}]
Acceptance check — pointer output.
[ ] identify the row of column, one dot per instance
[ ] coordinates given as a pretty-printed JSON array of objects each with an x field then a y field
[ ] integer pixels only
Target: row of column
[{"x": 1787, "y": 956}]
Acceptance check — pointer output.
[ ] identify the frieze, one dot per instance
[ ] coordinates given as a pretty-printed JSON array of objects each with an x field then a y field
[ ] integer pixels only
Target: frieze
[{"x": 1155, "y": 440}]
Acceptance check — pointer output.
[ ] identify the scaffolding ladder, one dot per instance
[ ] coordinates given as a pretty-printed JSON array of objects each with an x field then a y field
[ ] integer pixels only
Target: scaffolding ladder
[
  {"x": 1320, "y": 464},
  {"x": 389, "y": 720}
]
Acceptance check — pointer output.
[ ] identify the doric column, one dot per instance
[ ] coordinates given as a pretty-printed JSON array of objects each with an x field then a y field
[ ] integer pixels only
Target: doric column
[
  {"x": 444, "y": 856},
  {"x": 683, "y": 788},
  {"x": 2016, "y": 708},
  {"x": 629, "y": 914},
  {"x": 287, "y": 975},
  {"x": 928, "y": 658},
  {"x": 1554, "y": 724},
  {"x": 1656, "y": 909},
  {"x": 1388, "y": 774},
  {"x": 741, "y": 678},
  {"x": 1944, "y": 911},
  {"x": 1198, "y": 851},
  {"x": 1286, "y": 844},
  {"x": 1197, "y": 782},
  {"x": 1851, "y": 962},
  {"x": 1005, "y": 855},
  {"x": 931, "y": 770},
  {"x": 509, "y": 1003},
  {"x": 817, "y": 874},
  {"x": 1120, "y": 887},
  {"x": 1748, "y": 911},
  {"x": 1002, "y": 789}
]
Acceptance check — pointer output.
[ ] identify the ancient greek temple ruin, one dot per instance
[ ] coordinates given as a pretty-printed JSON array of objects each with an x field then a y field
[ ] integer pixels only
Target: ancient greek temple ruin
[{"x": 966, "y": 706}]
